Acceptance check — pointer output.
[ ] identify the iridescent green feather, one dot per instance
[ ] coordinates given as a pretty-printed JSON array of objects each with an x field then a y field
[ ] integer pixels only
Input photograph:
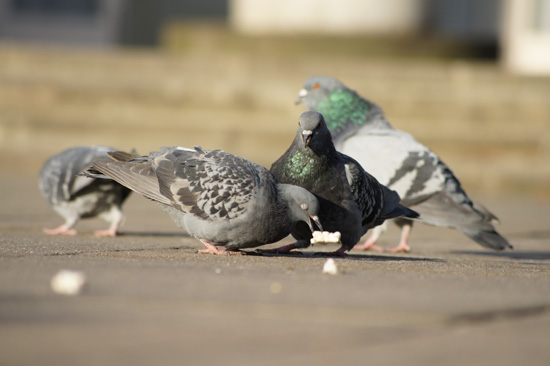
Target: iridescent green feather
[
  {"x": 299, "y": 168},
  {"x": 340, "y": 104}
]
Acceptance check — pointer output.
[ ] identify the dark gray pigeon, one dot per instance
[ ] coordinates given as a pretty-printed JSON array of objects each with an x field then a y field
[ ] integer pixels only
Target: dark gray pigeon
[
  {"x": 221, "y": 199},
  {"x": 396, "y": 159},
  {"x": 352, "y": 201},
  {"x": 75, "y": 197}
]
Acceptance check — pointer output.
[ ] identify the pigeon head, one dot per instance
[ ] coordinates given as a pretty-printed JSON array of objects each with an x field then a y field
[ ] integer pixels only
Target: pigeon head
[
  {"x": 344, "y": 110},
  {"x": 313, "y": 130},
  {"x": 316, "y": 89},
  {"x": 302, "y": 205}
]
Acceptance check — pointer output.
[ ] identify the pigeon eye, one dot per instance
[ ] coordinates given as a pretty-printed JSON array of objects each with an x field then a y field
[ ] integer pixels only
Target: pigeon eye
[
  {"x": 320, "y": 124},
  {"x": 304, "y": 206},
  {"x": 316, "y": 86}
]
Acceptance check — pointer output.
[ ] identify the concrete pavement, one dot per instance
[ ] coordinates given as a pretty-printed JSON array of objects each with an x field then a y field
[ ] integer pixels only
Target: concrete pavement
[{"x": 151, "y": 299}]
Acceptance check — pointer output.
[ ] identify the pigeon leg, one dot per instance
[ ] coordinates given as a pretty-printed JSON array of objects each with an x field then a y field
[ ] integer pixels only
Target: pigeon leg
[
  {"x": 285, "y": 249},
  {"x": 108, "y": 232},
  {"x": 60, "y": 230},
  {"x": 341, "y": 252},
  {"x": 403, "y": 244},
  {"x": 115, "y": 217},
  {"x": 369, "y": 244},
  {"x": 212, "y": 249}
]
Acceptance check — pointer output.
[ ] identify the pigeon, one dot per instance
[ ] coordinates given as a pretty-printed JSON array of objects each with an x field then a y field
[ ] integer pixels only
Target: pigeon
[
  {"x": 424, "y": 182},
  {"x": 75, "y": 197},
  {"x": 351, "y": 200},
  {"x": 221, "y": 199}
]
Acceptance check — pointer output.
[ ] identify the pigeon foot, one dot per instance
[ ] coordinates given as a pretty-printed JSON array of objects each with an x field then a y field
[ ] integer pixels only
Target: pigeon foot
[
  {"x": 212, "y": 249},
  {"x": 403, "y": 244},
  {"x": 108, "y": 232},
  {"x": 61, "y": 230},
  {"x": 286, "y": 249},
  {"x": 341, "y": 252},
  {"x": 402, "y": 247},
  {"x": 369, "y": 245}
]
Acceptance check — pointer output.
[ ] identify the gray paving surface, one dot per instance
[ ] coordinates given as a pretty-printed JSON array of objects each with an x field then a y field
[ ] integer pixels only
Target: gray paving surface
[{"x": 152, "y": 300}]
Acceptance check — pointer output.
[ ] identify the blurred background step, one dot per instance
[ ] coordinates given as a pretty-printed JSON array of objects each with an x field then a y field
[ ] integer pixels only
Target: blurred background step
[{"x": 208, "y": 86}]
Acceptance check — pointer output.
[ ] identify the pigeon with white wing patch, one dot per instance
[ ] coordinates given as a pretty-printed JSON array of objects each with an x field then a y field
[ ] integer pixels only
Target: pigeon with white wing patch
[{"x": 360, "y": 130}]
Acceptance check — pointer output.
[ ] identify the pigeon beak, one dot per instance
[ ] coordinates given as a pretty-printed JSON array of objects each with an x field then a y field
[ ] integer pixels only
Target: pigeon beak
[
  {"x": 300, "y": 97},
  {"x": 312, "y": 220},
  {"x": 306, "y": 136}
]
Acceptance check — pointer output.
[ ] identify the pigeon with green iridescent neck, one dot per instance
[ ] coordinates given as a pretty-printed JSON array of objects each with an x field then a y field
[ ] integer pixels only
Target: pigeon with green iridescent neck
[
  {"x": 397, "y": 160},
  {"x": 75, "y": 197},
  {"x": 221, "y": 199},
  {"x": 351, "y": 200}
]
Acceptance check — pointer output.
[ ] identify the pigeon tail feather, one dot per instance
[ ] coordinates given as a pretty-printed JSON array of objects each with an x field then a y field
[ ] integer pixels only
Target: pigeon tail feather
[{"x": 488, "y": 238}]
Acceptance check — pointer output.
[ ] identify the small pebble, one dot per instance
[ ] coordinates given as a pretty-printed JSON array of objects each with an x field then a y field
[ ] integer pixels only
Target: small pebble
[{"x": 275, "y": 287}]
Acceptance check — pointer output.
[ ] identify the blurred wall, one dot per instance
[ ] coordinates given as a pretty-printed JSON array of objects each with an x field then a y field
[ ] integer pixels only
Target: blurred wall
[
  {"x": 526, "y": 36},
  {"x": 99, "y": 22},
  {"x": 90, "y": 22},
  {"x": 327, "y": 16}
]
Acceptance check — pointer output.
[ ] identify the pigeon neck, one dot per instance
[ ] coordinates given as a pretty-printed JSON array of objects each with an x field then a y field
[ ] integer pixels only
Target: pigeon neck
[
  {"x": 345, "y": 112},
  {"x": 288, "y": 195}
]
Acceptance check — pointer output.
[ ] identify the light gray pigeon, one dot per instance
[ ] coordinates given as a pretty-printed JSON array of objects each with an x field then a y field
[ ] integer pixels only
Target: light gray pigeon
[
  {"x": 352, "y": 201},
  {"x": 221, "y": 199},
  {"x": 75, "y": 197},
  {"x": 397, "y": 160}
]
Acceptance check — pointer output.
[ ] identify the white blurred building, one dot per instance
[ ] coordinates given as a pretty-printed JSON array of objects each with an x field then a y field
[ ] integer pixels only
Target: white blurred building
[
  {"x": 520, "y": 27},
  {"x": 327, "y": 16},
  {"x": 525, "y": 41}
]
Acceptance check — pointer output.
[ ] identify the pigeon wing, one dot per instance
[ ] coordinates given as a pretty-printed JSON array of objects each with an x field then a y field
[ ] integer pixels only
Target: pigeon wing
[
  {"x": 211, "y": 185},
  {"x": 136, "y": 174}
]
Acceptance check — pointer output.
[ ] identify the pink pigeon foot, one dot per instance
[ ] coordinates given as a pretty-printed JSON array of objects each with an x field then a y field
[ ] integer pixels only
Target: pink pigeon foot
[
  {"x": 400, "y": 248},
  {"x": 403, "y": 244},
  {"x": 212, "y": 249},
  {"x": 108, "y": 232},
  {"x": 369, "y": 244},
  {"x": 61, "y": 230}
]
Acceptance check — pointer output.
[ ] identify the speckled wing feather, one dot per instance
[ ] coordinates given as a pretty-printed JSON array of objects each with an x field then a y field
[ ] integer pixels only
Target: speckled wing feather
[
  {"x": 136, "y": 174},
  {"x": 209, "y": 184}
]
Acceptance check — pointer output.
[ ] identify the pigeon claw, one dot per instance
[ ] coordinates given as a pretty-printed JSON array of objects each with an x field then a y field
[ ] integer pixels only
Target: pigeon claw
[
  {"x": 108, "y": 232},
  {"x": 285, "y": 249},
  {"x": 212, "y": 249},
  {"x": 341, "y": 252},
  {"x": 61, "y": 230}
]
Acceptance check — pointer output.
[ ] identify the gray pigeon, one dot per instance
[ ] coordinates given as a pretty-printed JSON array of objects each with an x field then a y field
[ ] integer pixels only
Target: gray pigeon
[
  {"x": 221, "y": 199},
  {"x": 352, "y": 201},
  {"x": 397, "y": 160},
  {"x": 75, "y": 197}
]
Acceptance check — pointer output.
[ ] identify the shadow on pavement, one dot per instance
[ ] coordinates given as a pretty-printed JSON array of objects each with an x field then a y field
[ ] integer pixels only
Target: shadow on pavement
[
  {"x": 369, "y": 257},
  {"x": 512, "y": 254},
  {"x": 155, "y": 234}
]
